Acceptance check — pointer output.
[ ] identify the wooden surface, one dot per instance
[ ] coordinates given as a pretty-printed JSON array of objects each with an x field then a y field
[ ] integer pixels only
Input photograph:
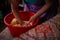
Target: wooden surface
[{"x": 48, "y": 30}]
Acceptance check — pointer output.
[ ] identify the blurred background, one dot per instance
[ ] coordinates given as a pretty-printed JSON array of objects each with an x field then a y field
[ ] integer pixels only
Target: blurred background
[{"x": 5, "y": 9}]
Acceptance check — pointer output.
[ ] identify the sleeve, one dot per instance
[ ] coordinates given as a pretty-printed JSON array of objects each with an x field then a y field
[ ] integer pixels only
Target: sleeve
[
  {"x": 47, "y": 1},
  {"x": 55, "y": 2},
  {"x": 52, "y": 1}
]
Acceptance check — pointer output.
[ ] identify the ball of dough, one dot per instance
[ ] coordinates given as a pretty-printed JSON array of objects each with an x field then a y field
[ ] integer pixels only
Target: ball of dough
[{"x": 14, "y": 22}]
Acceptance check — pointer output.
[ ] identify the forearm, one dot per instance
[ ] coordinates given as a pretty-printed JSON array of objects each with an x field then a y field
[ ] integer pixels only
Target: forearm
[
  {"x": 43, "y": 9},
  {"x": 14, "y": 5},
  {"x": 14, "y": 8}
]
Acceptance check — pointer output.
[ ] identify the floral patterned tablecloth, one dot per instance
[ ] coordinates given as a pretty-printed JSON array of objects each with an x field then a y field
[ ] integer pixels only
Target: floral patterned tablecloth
[{"x": 49, "y": 30}]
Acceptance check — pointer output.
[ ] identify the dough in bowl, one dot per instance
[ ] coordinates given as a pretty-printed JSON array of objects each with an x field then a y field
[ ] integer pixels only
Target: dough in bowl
[{"x": 15, "y": 23}]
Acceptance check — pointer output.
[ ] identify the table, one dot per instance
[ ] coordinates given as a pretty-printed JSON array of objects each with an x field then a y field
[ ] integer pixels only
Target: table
[{"x": 48, "y": 30}]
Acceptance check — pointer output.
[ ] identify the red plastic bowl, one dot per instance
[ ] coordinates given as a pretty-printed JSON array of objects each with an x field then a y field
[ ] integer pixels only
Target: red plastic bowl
[{"x": 16, "y": 31}]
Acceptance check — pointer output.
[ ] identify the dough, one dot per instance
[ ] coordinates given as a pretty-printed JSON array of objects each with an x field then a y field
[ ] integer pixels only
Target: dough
[{"x": 15, "y": 23}]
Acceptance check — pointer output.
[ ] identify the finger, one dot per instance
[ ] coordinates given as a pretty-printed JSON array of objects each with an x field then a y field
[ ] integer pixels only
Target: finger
[{"x": 29, "y": 21}]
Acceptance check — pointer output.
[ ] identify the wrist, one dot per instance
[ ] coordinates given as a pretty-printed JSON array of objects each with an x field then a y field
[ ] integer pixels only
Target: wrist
[{"x": 37, "y": 15}]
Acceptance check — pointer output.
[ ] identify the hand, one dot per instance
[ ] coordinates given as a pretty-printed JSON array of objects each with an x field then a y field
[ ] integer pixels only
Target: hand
[{"x": 33, "y": 18}]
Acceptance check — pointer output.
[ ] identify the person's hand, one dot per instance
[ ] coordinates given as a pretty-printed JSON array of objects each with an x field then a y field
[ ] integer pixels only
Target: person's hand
[{"x": 32, "y": 19}]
